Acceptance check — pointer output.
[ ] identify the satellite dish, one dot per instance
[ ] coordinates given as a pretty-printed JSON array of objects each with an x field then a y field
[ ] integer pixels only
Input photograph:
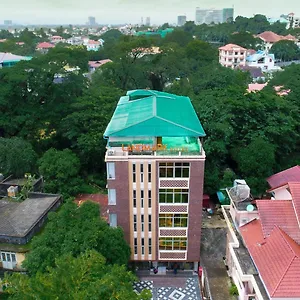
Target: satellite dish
[{"x": 250, "y": 207}]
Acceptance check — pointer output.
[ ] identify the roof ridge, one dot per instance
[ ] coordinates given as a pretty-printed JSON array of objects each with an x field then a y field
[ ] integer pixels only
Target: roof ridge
[
  {"x": 284, "y": 273},
  {"x": 283, "y": 233},
  {"x": 176, "y": 124}
]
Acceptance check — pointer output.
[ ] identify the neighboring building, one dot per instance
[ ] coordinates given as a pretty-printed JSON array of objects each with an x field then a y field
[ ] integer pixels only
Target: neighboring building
[
  {"x": 19, "y": 222},
  {"x": 232, "y": 56},
  {"x": 44, "y": 47},
  {"x": 181, "y": 20},
  {"x": 147, "y": 23},
  {"x": 56, "y": 39},
  {"x": 93, "y": 45},
  {"x": 228, "y": 15},
  {"x": 208, "y": 16},
  {"x": 95, "y": 64},
  {"x": 269, "y": 38},
  {"x": 294, "y": 22},
  {"x": 216, "y": 16},
  {"x": 155, "y": 170},
  {"x": 162, "y": 32},
  {"x": 263, "y": 239},
  {"x": 141, "y": 52},
  {"x": 92, "y": 21},
  {"x": 75, "y": 41},
  {"x": 261, "y": 59},
  {"x": 9, "y": 59},
  {"x": 255, "y": 72},
  {"x": 255, "y": 87}
]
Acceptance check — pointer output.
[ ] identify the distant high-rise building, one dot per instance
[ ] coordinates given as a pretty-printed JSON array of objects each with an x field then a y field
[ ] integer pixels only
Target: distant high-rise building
[
  {"x": 92, "y": 21},
  {"x": 181, "y": 20},
  {"x": 7, "y": 22},
  {"x": 228, "y": 15},
  {"x": 208, "y": 16},
  {"x": 147, "y": 21}
]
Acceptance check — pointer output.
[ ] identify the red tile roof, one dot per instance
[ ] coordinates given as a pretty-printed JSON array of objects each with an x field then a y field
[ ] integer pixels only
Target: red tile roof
[
  {"x": 98, "y": 63},
  {"x": 281, "y": 178},
  {"x": 229, "y": 47},
  {"x": 44, "y": 45},
  {"x": 277, "y": 258},
  {"x": 252, "y": 232},
  {"x": 294, "y": 188},
  {"x": 279, "y": 213},
  {"x": 272, "y": 37},
  {"x": 97, "y": 198}
]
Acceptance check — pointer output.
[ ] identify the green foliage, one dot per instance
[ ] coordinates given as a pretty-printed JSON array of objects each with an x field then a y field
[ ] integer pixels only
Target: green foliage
[
  {"x": 233, "y": 290},
  {"x": 244, "y": 39},
  {"x": 60, "y": 170},
  {"x": 17, "y": 157},
  {"x": 285, "y": 50},
  {"x": 75, "y": 230},
  {"x": 84, "y": 277}
]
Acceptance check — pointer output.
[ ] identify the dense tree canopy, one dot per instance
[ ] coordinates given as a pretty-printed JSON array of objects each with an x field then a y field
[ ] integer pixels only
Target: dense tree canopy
[
  {"x": 75, "y": 230},
  {"x": 17, "y": 157},
  {"x": 76, "y": 278},
  {"x": 285, "y": 50}
]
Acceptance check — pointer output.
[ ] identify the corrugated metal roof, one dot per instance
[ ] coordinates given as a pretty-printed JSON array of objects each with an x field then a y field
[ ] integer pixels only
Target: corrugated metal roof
[{"x": 153, "y": 113}]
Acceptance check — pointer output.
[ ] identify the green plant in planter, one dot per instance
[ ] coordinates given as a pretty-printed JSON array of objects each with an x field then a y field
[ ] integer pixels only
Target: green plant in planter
[{"x": 233, "y": 290}]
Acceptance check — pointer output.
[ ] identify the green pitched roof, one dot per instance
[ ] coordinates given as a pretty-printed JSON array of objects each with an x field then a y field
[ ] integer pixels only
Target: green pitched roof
[{"x": 153, "y": 113}]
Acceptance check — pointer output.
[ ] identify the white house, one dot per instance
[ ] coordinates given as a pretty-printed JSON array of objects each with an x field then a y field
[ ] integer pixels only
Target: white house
[
  {"x": 232, "y": 56},
  {"x": 261, "y": 59}
]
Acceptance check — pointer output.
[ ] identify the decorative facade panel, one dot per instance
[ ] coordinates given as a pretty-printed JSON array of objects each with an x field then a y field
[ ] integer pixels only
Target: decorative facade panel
[
  {"x": 173, "y": 232},
  {"x": 172, "y": 255},
  {"x": 173, "y": 208},
  {"x": 177, "y": 183}
]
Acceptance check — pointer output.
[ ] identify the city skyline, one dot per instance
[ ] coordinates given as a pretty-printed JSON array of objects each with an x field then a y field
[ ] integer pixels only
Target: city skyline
[{"x": 112, "y": 12}]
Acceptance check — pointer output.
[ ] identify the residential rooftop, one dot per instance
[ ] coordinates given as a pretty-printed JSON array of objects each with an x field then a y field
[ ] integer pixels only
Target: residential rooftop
[
  {"x": 17, "y": 219},
  {"x": 148, "y": 113}
]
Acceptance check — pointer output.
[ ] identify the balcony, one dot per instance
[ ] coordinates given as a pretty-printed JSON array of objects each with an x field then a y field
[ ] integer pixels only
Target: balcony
[{"x": 161, "y": 147}]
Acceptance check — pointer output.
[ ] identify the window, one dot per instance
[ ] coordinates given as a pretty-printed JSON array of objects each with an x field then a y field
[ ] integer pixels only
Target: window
[
  {"x": 142, "y": 199},
  {"x": 143, "y": 246},
  {"x": 174, "y": 243},
  {"x": 113, "y": 220},
  {"x": 142, "y": 222},
  {"x": 134, "y": 172},
  {"x": 173, "y": 220},
  {"x": 149, "y": 199},
  {"x": 134, "y": 198},
  {"x": 3, "y": 257},
  {"x": 111, "y": 170},
  {"x": 142, "y": 173},
  {"x": 135, "y": 246},
  {"x": 111, "y": 197},
  {"x": 150, "y": 246},
  {"x": 174, "y": 170},
  {"x": 134, "y": 223},
  {"x": 173, "y": 195},
  {"x": 149, "y": 223},
  {"x": 149, "y": 172}
]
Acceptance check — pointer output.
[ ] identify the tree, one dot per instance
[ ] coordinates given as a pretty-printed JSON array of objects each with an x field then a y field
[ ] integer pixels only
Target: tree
[
  {"x": 179, "y": 36},
  {"x": 85, "y": 126},
  {"x": 244, "y": 39},
  {"x": 60, "y": 170},
  {"x": 75, "y": 230},
  {"x": 256, "y": 161},
  {"x": 285, "y": 50},
  {"x": 17, "y": 157},
  {"x": 76, "y": 278}
]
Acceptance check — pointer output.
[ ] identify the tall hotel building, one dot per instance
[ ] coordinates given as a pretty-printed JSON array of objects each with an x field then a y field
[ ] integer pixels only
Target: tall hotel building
[{"x": 155, "y": 169}]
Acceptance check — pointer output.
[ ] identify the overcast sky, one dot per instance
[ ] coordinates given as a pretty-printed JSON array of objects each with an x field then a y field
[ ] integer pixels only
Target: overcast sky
[{"x": 131, "y": 11}]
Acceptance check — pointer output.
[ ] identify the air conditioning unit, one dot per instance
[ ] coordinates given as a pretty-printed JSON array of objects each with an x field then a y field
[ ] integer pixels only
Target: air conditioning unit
[{"x": 111, "y": 152}]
